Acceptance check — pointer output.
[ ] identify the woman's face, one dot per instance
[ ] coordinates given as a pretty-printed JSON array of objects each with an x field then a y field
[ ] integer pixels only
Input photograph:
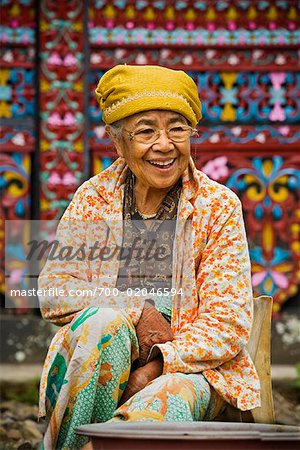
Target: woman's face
[{"x": 146, "y": 160}]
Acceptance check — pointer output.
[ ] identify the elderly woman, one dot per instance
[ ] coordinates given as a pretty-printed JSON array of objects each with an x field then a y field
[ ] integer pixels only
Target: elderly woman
[{"x": 148, "y": 338}]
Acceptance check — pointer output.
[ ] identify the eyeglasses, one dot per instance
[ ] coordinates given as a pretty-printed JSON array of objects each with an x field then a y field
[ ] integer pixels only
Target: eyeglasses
[{"x": 149, "y": 135}]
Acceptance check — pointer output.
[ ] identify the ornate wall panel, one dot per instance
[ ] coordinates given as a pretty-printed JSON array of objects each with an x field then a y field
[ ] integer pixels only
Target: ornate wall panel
[
  {"x": 62, "y": 103},
  {"x": 268, "y": 187},
  {"x": 244, "y": 58},
  {"x": 165, "y": 22},
  {"x": 17, "y": 114},
  {"x": 15, "y": 174}
]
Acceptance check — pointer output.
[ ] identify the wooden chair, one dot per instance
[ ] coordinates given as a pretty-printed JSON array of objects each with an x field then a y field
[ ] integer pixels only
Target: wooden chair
[{"x": 259, "y": 349}]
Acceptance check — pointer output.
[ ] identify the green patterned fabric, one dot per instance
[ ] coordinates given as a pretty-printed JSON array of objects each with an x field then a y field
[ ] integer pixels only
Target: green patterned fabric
[
  {"x": 90, "y": 373},
  {"x": 163, "y": 303}
]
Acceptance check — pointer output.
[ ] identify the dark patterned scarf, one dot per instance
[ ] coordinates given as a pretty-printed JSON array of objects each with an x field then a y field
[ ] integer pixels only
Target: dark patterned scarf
[{"x": 147, "y": 243}]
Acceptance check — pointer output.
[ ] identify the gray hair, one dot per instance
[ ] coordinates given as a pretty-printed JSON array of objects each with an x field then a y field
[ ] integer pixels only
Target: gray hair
[{"x": 115, "y": 129}]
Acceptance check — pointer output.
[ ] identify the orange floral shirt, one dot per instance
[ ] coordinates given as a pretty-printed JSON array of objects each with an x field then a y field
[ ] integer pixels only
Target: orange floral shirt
[{"x": 211, "y": 320}]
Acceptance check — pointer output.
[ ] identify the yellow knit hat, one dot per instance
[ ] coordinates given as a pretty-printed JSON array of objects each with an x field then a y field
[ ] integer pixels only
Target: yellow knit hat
[{"x": 126, "y": 90}]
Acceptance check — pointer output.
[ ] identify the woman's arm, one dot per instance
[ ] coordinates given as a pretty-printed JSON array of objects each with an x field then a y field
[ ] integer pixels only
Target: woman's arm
[
  {"x": 151, "y": 329},
  {"x": 140, "y": 377},
  {"x": 76, "y": 273}
]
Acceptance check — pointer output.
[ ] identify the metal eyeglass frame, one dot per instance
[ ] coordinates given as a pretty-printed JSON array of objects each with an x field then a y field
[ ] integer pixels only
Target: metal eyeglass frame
[{"x": 132, "y": 134}]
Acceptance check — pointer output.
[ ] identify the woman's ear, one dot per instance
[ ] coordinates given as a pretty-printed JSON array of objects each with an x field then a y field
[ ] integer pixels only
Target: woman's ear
[
  {"x": 108, "y": 131},
  {"x": 118, "y": 147},
  {"x": 115, "y": 140}
]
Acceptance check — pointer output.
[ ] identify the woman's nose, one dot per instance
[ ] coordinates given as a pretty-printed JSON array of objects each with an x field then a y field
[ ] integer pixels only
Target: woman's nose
[{"x": 163, "y": 142}]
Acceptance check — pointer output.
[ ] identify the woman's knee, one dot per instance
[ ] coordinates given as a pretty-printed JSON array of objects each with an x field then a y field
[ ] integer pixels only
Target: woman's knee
[
  {"x": 98, "y": 318},
  {"x": 170, "y": 378},
  {"x": 97, "y": 327},
  {"x": 194, "y": 386}
]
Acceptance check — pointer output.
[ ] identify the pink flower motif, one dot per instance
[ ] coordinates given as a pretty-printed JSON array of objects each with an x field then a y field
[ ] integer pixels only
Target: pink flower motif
[
  {"x": 14, "y": 23},
  {"x": 18, "y": 139},
  {"x": 169, "y": 25},
  {"x": 69, "y": 119},
  {"x": 236, "y": 131},
  {"x": 68, "y": 179},
  {"x": 210, "y": 54},
  {"x": 100, "y": 132},
  {"x": 231, "y": 25},
  {"x": 242, "y": 39},
  {"x": 15, "y": 276},
  {"x": 257, "y": 278},
  {"x": 129, "y": 25},
  {"x": 187, "y": 60},
  {"x": 214, "y": 138},
  {"x": 277, "y": 78},
  {"x": 25, "y": 38},
  {"x": 280, "y": 279},
  {"x": 216, "y": 168},
  {"x": 119, "y": 39},
  {"x": 190, "y": 26},
  {"x": 280, "y": 59},
  {"x": 141, "y": 59},
  {"x": 261, "y": 138},
  {"x": 8, "y": 56},
  {"x": 120, "y": 52},
  {"x": 54, "y": 179},
  {"x": 95, "y": 58},
  {"x": 55, "y": 59},
  {"x": 284, "y": 130},
  {"x": 277, "y": 113},
  {"x": 70, "y": 60},
  {"x": 110, "y": 23},
  {"x": 221, "y": 39},
  {"x": 54, "y": 119},
  {"x": 164, "y": 54},
  {"x": 257, "y": 54},
  {"x": 211, "y": 26}
]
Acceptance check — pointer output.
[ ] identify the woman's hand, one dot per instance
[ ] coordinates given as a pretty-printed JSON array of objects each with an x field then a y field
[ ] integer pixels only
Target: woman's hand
[
  {"x": 151, "y": 329},
  {"x": 141, "y": 377}
]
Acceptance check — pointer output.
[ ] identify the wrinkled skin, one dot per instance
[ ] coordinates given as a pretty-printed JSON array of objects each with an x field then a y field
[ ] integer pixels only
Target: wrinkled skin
[
  {"x": 152, "y": 329},
  {"x": 140, "y": 377}
]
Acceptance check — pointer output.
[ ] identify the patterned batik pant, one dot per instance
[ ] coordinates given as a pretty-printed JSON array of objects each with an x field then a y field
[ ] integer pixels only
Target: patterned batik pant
[{"x": 89, "y": 374}]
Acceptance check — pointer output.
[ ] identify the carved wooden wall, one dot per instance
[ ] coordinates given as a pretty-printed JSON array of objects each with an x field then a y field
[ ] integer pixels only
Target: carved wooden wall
[
  {"x": 244, "y": 57},
  {"x": 18, "y": 114}
]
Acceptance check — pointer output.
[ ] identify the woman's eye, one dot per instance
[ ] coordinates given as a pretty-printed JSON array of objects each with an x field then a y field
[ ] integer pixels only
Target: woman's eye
[
  {"x": 177, "y": 130},
  {"x": 145, "y": 131}
]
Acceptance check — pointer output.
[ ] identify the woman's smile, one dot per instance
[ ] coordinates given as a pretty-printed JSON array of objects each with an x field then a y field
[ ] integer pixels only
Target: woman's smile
[{"x": 162, "y": 165}]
